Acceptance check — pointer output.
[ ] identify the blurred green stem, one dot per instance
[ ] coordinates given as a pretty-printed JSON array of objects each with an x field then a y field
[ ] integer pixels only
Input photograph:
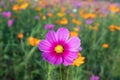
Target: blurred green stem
[
  {"x": 60, "y": 72},
  {"x": 48, "y": 72},
  {"x": 67, "y": 73}
]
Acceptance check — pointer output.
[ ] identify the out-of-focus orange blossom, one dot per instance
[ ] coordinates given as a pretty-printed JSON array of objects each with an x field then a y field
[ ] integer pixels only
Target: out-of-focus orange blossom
[
  {"x": 79, "y": 60},
  {"x": 105, "y": 45},
  {"x": 114, "y": 9},
  {"x": 20, "y": 35},
  {"x": 33, "y": 41},
  {"x": 73, "y": 33}
]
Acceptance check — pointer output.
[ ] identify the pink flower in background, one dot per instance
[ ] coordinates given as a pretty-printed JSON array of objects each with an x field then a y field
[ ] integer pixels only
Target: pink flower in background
[
  {"x": 10, "y": 22},
  {"x": 6, "y": 14},
  {"x": 49, "y": 26},
  {"x": 57, "y": 48},
  {"x": 36, "y": 17},
  {"x": 2, "y": 3},
  {"x": 89, "y": 21},
  {"x": 93, "y": 77}
]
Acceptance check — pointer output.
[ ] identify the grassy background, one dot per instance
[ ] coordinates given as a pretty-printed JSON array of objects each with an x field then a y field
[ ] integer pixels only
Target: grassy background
[{"x": 20, "y": 61}]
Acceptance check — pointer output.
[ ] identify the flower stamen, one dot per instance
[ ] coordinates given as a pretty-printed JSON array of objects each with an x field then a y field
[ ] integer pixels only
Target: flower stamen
[{"x": 59, "y": 49}]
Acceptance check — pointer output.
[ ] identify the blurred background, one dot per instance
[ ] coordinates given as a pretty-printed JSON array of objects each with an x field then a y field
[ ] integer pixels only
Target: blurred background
[{"x": 24, "y": 23}]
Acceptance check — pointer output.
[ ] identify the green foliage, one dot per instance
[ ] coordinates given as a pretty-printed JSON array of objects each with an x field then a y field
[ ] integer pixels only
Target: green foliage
[{"x": 21, "y": 61}]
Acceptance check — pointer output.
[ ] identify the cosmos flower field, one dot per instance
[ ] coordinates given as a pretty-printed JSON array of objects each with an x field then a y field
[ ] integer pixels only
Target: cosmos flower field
[{"x": 59, "y": 40}]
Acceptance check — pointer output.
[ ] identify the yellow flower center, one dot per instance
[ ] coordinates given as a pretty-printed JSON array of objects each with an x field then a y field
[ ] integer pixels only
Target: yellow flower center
[{"x": 59, "y": 49}]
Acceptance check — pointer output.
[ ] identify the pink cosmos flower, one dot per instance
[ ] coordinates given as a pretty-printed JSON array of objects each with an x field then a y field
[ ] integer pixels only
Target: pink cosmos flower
[
  {"x": 6, "y": 14},
  {"x": 89, "y": 21},
  {"x": 36, "y": 17},
  {"x": 57, "y": 48},
  {"x": 49, "y": 26},
  {"x": 94, "y": 77},
  {"x": 10, "y": 22}
]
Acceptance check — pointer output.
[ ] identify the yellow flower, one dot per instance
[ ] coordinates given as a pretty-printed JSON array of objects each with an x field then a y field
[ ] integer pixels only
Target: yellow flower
[
  {"x": 20, "y": 35},
  {"x": 90, "y": 0},
  {"x": 73, "y": 33},
  {"x": 38, "y": 8},
  {"x": 24, "y": 6},
  {"x": 1, "y": 9},
  {"x": 33, "y": 41},
  {"x": 105, "y": 45},
  {"x": 60, "y": 14},
  {"x": 44, "y": 17},
  {"x": 79, "y": 60},
  {"x": 93, "y": 28},
  {"x": 76, "y": 29},
  {"x": 20, "y": 0},
  {"x": 117, "y": 28}
]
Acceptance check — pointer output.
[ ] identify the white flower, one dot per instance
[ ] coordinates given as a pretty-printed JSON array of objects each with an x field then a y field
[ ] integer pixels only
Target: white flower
[{"x": 74, "y": 10}]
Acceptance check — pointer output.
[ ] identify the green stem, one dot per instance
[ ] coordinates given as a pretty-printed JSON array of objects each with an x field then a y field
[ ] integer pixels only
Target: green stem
[
  {"x": 48, "y": 72},
  {"x": 61, "y": 72},
  {"x": 67, "y": 73}
]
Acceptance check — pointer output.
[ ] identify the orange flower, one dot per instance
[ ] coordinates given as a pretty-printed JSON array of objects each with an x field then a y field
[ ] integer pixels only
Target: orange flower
[
  {"x": 50, "y": 14},
  {"x": 88, "y": 15},
  {"x": 77, "y": 22},
  {"x": 72, "y": 15},
  {"x": 114, "y": 9},
  {"x": 79, "y": 60},
  {"x": 81, "y": 12},
  {"x": 74, "y": 20},
  {"x": 20, "y": 35},
  {"x": 64, "y": 21},
  {"x": 42, "y": 3},
  {"x": 112, "y": 28},
  {"x": 41, "y": 13},
  {"x": 33, "y": 41},
  {"x": 102, "y": 15},
  {"x": 73, "y": 33},
  {"x": 105, "y": 45},
  {"x": 16, "y": 7},
  {"x": 63, "y": 9}
]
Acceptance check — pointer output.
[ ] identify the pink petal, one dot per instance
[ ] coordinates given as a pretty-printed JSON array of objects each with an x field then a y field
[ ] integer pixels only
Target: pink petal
[
  {"x": 44, "y": 46},
  {"x": 69, "y": 58},
  {"x": 63, "y": 34},
  {"x": 52, "y": 58},
  {"x": 74, "y": 44},
  {"x": 51, "y": 36}
]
